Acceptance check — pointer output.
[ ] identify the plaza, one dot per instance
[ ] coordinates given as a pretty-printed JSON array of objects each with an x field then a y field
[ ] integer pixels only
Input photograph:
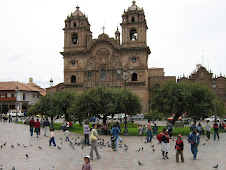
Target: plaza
[{"x": 210, "y": 154}]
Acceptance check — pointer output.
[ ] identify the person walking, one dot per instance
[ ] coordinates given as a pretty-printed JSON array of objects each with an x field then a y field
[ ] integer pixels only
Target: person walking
[
  {"x": 93, "y": 138},
  {"x": 194, "y": 139},
  {"x": 163, "y": 138},
  {"x": 115, "y": 132},
  {"x": 118, "y": 125},
  {"x": 208, "y": 129},
  {"x": 67, "y": 134},
  {"x": 46, "y": 125},
  {"x": 216, "y": 133},
  {"x": 170, "y": 128},
  {"x": 179, "y": 147},
  {"x": 31, "y": 123},
  {"x": 52, "y": 138},
  {"x": 149, "y": 131},
  {"x": 86, "y": 133},
  {"x": 37, "y": 126}
]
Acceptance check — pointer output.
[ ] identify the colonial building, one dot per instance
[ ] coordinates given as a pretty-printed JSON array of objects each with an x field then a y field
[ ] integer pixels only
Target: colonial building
[
  {"x": 92, "y": 62},
  {"x": 203, "y": 76},
  {"x": 16, "y": 95}
]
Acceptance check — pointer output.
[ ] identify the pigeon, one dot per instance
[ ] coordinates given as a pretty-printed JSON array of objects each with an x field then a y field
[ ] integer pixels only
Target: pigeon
[
  {"x": 40, "y": 147},
  {"x": 125, "y": 149},
  {"x": 60, "y": 138},
  {"x": 30, "y": 144},
  {"x": 145, "y": 142},
  {"x": 206, "y": 140},
  {"x": 27, "y": 156},
  {"x": 72, "y": 138},
  {"x": 142, "y": 148},
  {"x": 24, "y": 145},
  {"x": 52, "y": 168},
  {"x": 12, "y": 146},
  {"x": 13, "y": 168},
  {"x": 59, "y": 147},
  {"x": 152, "y": 146},
  {"x": 126, "y": 145},
  {"x": 140, "y": 163},
  {"x": 173, "y": 140},
  {"x": 138, "y": 150},
  {"x": 82, "y": 147},
  {"x": 78, "y": 137},
  {"x": 153, "y": 150},
  {"x": 18, "y": 144},
  {"x": 216, "y": 166},
  {"x": 203, "y": 143},
  {"x": 1, "y": 168},
  {"x": 1, "y": 146},
  {"x": 4, "y": 144},
  {"x": 61, "y": 142}
]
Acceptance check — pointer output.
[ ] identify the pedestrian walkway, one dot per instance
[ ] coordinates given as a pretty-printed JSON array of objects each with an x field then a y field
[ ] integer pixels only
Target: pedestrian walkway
[{"x": 210, "y": 154}]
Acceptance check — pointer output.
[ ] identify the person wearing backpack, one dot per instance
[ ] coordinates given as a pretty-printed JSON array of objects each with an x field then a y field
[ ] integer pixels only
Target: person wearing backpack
[
  {"x": 115, "y": 132},
  {"x": 93, "y": 138}
]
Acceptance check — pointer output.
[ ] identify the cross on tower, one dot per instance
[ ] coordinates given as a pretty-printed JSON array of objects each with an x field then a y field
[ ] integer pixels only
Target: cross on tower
[{"x": 103, "y": 28}]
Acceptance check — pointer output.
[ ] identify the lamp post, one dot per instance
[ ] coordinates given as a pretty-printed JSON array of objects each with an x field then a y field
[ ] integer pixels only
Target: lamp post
[
  {"x": 214, "y": 85},
  {"x": 51, "y": 101},
  {"x": 16, "y": 104},
  {"x": 125, "y": 77}
]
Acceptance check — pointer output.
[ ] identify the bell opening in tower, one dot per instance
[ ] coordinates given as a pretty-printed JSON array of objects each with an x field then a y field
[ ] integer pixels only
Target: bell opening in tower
[{"x": 133, "y": 34}]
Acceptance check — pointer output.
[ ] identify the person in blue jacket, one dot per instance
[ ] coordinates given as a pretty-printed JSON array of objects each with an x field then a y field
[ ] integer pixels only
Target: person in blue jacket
[
  {"x": 194, "y": 139},
  {"x": 115, "y": 132}
]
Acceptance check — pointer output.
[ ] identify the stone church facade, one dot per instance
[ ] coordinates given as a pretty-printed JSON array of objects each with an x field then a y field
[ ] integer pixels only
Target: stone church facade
[
  {"x": 203, "y": 76},
  {"x": 92, "y": 62}
]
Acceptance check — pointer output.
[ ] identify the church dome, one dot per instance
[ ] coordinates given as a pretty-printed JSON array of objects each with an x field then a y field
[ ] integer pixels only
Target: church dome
[
  {"x": 77, "y": 12},
  {"x": 134, "y": 7}
]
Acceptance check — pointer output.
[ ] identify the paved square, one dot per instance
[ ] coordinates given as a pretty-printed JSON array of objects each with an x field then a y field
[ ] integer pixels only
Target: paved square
[{"x": 210, "y": 154}]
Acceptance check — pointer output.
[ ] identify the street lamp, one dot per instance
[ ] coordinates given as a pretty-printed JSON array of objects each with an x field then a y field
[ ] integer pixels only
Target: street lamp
[
  {"x": 214, "y": 85},
  {"x": 125, "y": 77},
  {"x": 51, "y": 101},
  {"x": 16, "y": 103}
]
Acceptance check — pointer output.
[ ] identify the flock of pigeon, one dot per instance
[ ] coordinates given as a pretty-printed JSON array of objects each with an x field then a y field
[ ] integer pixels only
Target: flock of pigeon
[{"x": 76, "y": 141}]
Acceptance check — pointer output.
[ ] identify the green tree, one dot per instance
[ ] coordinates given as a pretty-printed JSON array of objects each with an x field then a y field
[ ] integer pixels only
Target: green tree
[
  {"x": 61, "y": 102},
  {"x": 102, "y": 101},
  {"x": 178, "y": 98}
]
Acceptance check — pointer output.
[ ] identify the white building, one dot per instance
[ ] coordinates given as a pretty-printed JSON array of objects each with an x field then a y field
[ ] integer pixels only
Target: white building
[{"x": 16, "y": 95}]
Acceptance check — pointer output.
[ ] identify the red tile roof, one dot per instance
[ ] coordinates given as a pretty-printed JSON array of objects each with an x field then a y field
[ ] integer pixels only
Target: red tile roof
[{"x": 11, "y": 86}]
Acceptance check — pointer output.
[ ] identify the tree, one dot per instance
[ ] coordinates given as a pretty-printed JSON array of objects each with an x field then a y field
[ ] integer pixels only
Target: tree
[
  {"x": 102, "y": 101},
  {"x": 178, "y": 98},
  {"x": 61, "y": 101}
]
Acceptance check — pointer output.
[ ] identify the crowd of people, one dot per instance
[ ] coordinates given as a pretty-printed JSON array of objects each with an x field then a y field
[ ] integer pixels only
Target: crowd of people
[{"x": 92, "y": 135}]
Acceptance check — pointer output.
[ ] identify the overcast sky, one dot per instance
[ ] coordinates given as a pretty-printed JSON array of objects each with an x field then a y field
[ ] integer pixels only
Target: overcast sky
[{"x": 31, "y": 34}]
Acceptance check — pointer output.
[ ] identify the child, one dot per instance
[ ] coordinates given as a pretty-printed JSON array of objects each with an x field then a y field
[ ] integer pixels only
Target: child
[
  {"x": 67, "y": 133},
  {"x": 52, "y": 138},
  {"x": 155, "y": 130},
  {"x": 140, "y": 130},
  {"x": 87, "y": 165},
  {"x": 113, "y": 143},
  {"x": 216, "y": 133},
  {"x": 179, "y": 147}
]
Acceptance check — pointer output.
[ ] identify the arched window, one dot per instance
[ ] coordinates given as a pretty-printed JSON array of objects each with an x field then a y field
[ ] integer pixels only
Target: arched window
[
  {"x": 73, "y": 79},
  {"x": 103, "y": 74},
  {"x": 132, "y": 19},
  {"x": 74, "y": 24},
  {"x": 134, "y": 77},
  {"x": 133, "y": 34},
  {"x": 74, "y": 38}
]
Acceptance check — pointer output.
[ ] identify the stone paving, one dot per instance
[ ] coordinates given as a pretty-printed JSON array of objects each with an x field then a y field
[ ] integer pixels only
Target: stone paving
[{"x": 210, "y": 154}]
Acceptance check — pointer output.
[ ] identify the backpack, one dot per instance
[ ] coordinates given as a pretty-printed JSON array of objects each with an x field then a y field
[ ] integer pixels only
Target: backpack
[{"x": 159, "y": 137}]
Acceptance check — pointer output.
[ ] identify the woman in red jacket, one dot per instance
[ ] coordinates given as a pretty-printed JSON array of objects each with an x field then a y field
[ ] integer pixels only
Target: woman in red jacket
[{"x": 37, "y": 126}]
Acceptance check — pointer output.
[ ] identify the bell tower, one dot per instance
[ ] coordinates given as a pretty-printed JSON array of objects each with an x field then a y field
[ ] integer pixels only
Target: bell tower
[
  {"x": 134, "y": 27},
  {"x": 77, "y": 34}
]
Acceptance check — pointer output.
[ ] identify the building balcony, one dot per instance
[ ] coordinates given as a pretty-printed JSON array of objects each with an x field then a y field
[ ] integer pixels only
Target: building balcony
[{"x": 7, "y": 99}]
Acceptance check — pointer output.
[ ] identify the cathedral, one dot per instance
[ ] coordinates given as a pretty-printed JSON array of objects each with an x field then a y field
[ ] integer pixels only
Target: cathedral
[{"x": 111, "y": 61}]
